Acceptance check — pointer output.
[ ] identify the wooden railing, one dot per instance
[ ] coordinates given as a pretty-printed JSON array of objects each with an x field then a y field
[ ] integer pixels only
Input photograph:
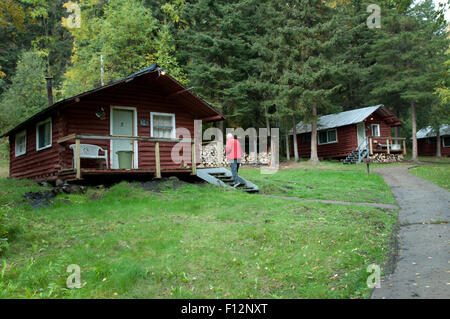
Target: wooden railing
[
  {"x": 388, "y": 143},
  {"x": 78, "y": 137}
]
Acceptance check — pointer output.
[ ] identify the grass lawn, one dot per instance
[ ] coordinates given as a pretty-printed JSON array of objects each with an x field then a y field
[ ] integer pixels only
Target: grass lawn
[
  {"x": 438, "y": 174},
  {"x": 328, "y": 180},
  {"x": 192, "y": 242}
]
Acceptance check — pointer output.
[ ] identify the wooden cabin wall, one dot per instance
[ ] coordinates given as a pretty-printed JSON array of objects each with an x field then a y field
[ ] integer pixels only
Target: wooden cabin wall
[
  {"x": 385, "y": 129},
  {"x": 347, "y": 141},
  {"x": 82, "y": 119},
  {"x": 425, "y": 148},
  {"x": 38, "y": 165}
]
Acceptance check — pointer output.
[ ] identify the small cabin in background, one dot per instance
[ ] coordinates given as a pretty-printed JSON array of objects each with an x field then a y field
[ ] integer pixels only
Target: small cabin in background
[
  {"x": 352, "y": 135},
  {"x": 427, "y": 141},
  {"x": 127, "y": 127}
]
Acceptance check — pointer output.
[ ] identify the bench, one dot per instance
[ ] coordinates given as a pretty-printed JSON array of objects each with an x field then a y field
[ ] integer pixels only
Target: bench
[{"x": 90, "y": 151}]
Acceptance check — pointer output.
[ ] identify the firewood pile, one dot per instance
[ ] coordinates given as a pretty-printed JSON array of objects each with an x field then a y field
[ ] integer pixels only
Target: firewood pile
[
  {"x": 386, "y": 158},
  {"x": 212, "y": 155}
]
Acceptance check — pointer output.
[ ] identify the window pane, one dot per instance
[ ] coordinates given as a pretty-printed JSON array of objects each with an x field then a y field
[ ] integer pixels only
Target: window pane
[
  {"x": 446, "y": 142},
  {"x": 332, "y": 136},
  {"x": 375, "y": 130},
  {"x": 322, "y": 137},
  {"x": 44, "y": 135},
  {"x": 162, "y": 126}
]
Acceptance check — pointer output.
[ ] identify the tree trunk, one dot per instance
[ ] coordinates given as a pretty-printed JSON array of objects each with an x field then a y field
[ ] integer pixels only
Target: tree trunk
[
  {"x": 288, "y": 155},
  {"x": 314, "y": 158},
  {"x": 414, "y": 158},
  {"x": 294, "y": 136},
  {"x": 438, "y": 142}
]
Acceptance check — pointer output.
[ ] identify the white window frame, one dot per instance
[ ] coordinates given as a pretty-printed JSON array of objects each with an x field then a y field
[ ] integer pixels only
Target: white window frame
[
  {"x": 49, "y": 120},
  {"x": 19, "y": 134},
  {"x": 152, "y": 114},
  {"x": 378, "y": 129},
  {"x": 328, "y": 142},
  {"x": 443, "y": 141}
]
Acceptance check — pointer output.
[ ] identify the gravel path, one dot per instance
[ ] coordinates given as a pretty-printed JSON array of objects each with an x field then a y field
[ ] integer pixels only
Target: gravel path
[{"x": 423, "y": 261}]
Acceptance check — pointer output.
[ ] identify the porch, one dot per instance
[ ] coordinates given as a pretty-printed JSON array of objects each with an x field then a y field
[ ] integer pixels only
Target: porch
[
  {"x": 77, "y": 172},
  {"x": 386, "y": 144}
]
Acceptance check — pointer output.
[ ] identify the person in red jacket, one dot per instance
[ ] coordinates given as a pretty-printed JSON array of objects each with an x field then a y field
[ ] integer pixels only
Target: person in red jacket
[{"x": 233, "y": 152}]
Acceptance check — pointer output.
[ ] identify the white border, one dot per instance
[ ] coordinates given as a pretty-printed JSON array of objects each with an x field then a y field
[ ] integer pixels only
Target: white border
[
  {"x": 23, "y": 132},
  {"x": 49, "y": 120},
  {"x": 334, "y": 142},
  {"x": 135, "y": 133},
  {"x": 164, "y": 114}
]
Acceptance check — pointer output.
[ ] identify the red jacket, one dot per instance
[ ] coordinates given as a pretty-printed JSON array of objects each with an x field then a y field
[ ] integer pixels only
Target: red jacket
[{"x": 233, "y": 149}]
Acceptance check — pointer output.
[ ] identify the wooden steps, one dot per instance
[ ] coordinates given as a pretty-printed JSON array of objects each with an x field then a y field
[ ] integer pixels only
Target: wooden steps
[{"x": 223, "y": 177}]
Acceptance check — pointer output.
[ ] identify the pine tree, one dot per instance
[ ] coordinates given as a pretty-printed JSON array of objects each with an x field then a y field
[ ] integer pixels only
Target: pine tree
[
  {"x": 307, "y": 60},
  {"x": 216, "y": 52},
  {"x": 410, "y": 47}
]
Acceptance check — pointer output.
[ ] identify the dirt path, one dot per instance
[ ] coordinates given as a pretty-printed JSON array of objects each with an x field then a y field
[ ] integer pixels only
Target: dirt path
[{"x": 423, "y": 262}]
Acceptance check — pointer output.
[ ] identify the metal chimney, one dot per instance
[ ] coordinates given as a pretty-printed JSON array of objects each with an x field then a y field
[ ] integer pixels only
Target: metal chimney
[{"x": 49, "y": 90}]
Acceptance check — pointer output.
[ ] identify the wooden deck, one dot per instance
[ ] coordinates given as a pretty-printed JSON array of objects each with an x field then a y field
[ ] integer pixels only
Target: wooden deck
[
  {"x": 88, "y": 173},
  {"x": 79, "y": 172}
]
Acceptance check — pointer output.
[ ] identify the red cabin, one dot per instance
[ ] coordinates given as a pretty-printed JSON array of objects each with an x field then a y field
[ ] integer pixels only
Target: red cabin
[
  {"x": 427, "y": 141},
  {"x": 362, "y": 131},
  {"x": 127, "y": 127}
]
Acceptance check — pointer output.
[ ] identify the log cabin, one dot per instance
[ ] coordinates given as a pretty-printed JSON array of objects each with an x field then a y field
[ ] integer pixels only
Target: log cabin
[
  {"x": 427, "y": 141},
  {"x": 126, "y": 127},
  {"x": 351, "y": 135}
]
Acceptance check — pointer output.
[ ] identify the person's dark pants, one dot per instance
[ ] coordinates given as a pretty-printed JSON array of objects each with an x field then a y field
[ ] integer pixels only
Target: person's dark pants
[{"x": 234, "y": 170}]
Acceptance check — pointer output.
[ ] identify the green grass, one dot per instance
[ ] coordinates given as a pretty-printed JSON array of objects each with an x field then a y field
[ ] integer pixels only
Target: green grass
[
  {"x": 437, "y": 174},
  {"x": 331, "y": 181},
  {"x": 4, "y": 167},
  {"x": 192, "y": 242}
]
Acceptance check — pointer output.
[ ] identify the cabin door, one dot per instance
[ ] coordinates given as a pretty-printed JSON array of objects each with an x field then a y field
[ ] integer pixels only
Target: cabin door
[
  {"x": 361, "y": 133},
  {"x": 123, "y": 124}
]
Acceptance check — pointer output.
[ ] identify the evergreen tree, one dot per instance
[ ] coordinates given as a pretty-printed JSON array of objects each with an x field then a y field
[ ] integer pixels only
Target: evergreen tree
[
  {"x": 409, "y": 49},
  {"x": 217, "y": 55}
]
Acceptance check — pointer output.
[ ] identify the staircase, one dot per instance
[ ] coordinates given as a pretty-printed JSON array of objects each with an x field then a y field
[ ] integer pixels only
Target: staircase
[
  {"x": 223, "y": 177},
  {"x": 356, "y": 156}
]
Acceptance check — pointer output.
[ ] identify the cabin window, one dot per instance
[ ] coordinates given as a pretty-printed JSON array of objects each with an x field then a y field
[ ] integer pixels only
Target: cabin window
[
  {"x": 162, "y": 125},
  {"x": 327, "y": 137},
  {"x": 431, "y": 140},
  {"x": 44, "y": 134},
  {"x": 306, "y": 138},
  {"x": 446, "y": 141},
  {"x": 21, "y": 143},
  {"x": 375, "y": 129}
]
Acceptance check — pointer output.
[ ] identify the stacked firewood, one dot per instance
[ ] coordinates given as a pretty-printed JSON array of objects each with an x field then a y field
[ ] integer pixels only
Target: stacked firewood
[
  {"x": 386, "y": 158},
  {"x": 212, "y": 155}
]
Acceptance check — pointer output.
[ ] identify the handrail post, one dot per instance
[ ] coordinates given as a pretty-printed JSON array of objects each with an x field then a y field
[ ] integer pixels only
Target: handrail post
[
  {"x": 370, "y": 145},
  {"x": 157, "y": 160},
  {"x": 194, "y": 159},
  {"x": 387, "y": 146},
  {"x": 77, "y": 158}
]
